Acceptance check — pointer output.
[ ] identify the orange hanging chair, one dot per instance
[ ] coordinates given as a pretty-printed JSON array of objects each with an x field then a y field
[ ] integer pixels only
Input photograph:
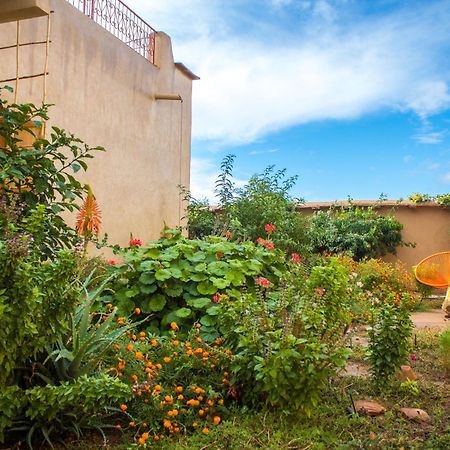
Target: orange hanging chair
[{"x": 434, "y": 271}]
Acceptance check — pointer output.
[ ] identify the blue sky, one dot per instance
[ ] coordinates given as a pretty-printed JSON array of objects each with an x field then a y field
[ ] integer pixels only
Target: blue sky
[{"x": 351, "y": 95}]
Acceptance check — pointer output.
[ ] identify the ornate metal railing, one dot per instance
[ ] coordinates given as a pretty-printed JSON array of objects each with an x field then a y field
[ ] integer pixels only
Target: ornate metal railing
[{"x": 115, "y": 17}]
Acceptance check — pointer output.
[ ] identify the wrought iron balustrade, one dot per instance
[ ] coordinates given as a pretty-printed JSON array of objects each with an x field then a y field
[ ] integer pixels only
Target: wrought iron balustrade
[{"x": 117, "y": 18}]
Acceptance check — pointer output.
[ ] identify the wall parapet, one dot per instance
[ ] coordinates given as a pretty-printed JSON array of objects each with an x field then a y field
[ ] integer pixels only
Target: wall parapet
[{"x": 122, "y": 22}]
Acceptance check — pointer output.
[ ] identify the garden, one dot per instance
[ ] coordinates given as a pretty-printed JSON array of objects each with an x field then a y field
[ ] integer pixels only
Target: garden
[{"x": 256, "y": 327}]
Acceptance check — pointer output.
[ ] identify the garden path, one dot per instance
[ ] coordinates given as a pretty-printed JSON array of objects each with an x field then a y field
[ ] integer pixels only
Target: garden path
[{"x": 434, "y": 318}]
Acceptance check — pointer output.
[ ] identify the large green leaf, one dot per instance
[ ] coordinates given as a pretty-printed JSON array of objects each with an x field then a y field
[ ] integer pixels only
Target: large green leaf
[
  {"x": 220, "y": 283},
  {"x": 163, "y": 274},
  {"x": 147, "y": 278},
  {"x": 154, "y": 303},
  {"x": 206, "y": 288},
  {"x": 199, "y": 303},
  {"x": 183, "y": 313},
  {"x": 148, "y": 288},
  {"x": 197, "y": 257},
  {"x": 219, "y": 268},
  {"x": 174, "y": 291},
  {"x": 198, "y": 277}
]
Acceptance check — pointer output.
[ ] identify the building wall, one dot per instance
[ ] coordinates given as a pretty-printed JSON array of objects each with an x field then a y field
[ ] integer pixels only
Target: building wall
[
  {"x": 104, "y": 93},
  {"x": 425, "y": 224}
]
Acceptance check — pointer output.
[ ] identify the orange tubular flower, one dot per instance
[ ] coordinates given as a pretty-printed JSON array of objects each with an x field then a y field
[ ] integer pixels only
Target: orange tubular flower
[{"x": 89, "y": 217}]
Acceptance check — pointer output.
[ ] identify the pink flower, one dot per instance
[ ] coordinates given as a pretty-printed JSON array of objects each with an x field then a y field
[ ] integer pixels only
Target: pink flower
[
  {"x": 111, "y": 262},
  {"x": 295, "y": 258},
  {"x": 413, "y": 357},
  {"x": 216, "y": 298},
  {"x": 270, "y": 227},
  {"x": 264, "y": 282},
  {"x": 137, "y": 242}
]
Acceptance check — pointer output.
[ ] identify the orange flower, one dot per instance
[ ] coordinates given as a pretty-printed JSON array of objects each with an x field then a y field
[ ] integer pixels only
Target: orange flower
[
  {"x": 134, "y": 378},
  {"x": 167, "y": 359},
  {"x": 137, "y": 311},
  {"x": 153, "y": 343},
  {"x": 142, "y": 334},
  {"x": 174, "y": 326},
  {"x": 89, "y": 217},
  {"x": 141, "y": 441},
  {"x": 205, "y": 430},
  {"x": 123, "y": 407},
  {"x": 132, "y": 424},
  {"x": 139, "y": 355},
  {"x": 217, "y": 420},
  {"x": 130, "y": 347}
]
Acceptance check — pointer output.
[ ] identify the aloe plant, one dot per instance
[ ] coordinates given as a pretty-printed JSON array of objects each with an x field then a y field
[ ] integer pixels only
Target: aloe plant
[{"x": 81, "y": 350}]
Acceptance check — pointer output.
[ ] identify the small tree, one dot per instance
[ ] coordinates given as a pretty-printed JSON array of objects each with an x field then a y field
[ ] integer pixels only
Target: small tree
[{"x": 43, "y": 174}]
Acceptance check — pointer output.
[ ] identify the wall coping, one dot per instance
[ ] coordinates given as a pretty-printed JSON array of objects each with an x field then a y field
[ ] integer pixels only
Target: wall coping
[{"x": 369, "y": 203}]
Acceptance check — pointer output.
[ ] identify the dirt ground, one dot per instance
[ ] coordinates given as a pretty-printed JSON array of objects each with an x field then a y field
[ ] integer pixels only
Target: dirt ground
[{"x": 434, "y": 318}]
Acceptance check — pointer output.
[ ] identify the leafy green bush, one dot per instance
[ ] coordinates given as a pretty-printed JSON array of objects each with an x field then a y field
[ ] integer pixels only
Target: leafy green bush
[
  {"x": 359, "y": 232},
  {"x": 391, "y": 328},
  {"x": 36, "y": 298},
  {"x": 288, "y": 342},
  {"x": 440, "y": 199},
  {"x": 182, "y": 280},
  {"x": 47, "y": 412},
  {"x": 374, "y": 281},
  {"x": 44, "y": 174},
  {"x": 179, "y": 384},
  {"x": 243, "y": 213}
]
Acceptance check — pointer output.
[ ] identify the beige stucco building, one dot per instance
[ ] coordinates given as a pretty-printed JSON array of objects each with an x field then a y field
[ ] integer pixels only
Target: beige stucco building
[{"x": 114, "y": 83}]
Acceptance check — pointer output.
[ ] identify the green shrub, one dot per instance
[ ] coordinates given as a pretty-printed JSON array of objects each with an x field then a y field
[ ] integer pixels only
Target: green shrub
[
  {"x": 181, "y": 280},
  {"x": 49, "y": 412},
  {"x": 179, "y": 384},
  {"x": 359, "y": 232},
  {"x": 391, "y": 328},
  {"x": 288, "y": 342},
  {"x": 440, "y": 199},
  {"x": 36, "y": 298},
  {"x": 243, "y": 213},
  {"x": 11, "y": 405}
]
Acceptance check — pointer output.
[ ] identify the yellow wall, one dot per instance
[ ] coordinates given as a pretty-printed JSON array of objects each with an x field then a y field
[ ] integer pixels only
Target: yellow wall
[
  {"x": 426, "y": 224},
  {"x": 104, "y": 93}
]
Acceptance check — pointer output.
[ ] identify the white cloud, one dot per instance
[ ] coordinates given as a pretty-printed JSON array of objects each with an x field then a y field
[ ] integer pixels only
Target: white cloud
[
  {"x": 203, "y": 176},
  {"x": 263, "y": 152},
  {"x": 430, "y": 97},
  {"x": 432, "y": 137},
  {"x": 257, "y": 77},
  {"x": 204, "y": 173}
]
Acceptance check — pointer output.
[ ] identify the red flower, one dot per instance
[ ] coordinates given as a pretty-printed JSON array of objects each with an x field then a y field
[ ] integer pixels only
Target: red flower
[
  {"x": 270, "y": 227},
  {"x": 295, "y": 258},
  {"x": 268, "y": 244},
  {"x": 264, "y": 282},
  {"x": 216, "y": 298},
  {"x": 111, "y": 262},
  {"x": 137, "y": 242}
]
